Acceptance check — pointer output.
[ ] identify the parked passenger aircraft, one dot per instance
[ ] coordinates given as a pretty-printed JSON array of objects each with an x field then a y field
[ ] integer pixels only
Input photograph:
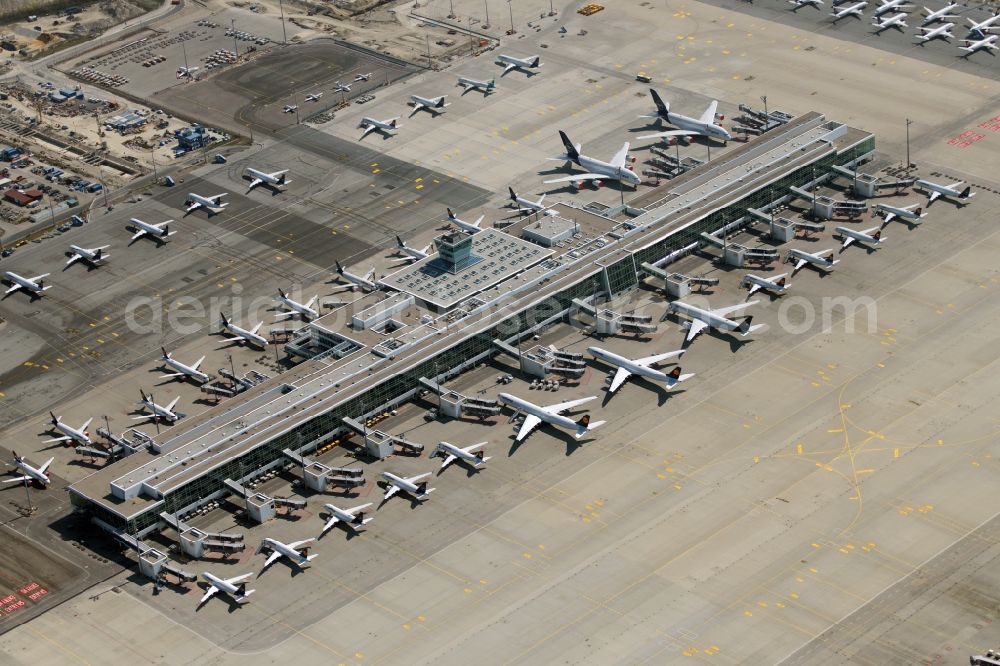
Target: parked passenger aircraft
[
  {"x": 982, "y": 27},
  {"x": 33, "y": 286},
  {"x": 717, "y": 319},
  {"x": 870, "y": 237},
  {"x": 468, "y": 227},
  {"x": 526, "y": 206},
  {"x": 802, "y": 3},
  {"x": 290, "y": 108},
  {"x": 342, "y": 87},
  {"x": 485, "y": 87},
  {"x": 385, "y": 127},
  {"x": 356, "y": 280},
  {"x": 235, "y": 587},
  {"x": 157, "y": 232},
  {"x": 432, "y": 104},
  {"x": 898, "y": 21},
  {"x": 157, "y": 411},
  {"x": 412, "y": 253},
  {"x": 242, "y": 334},
  {"x": 776, "y": 284},
  {"x": 941, "y": 31},
  {"x": 706, "y": 125},
  {"x": 890, "y": 5},
  {"x": 911, "y": 212},
  {"x": 526, "y": 65},
  {"x": 212, "y": 204},
  {"x": 362, "y": 77},
  {"x": 69, "y": 433},
  {"x": 352, "y": 518},
  {"x": 626, "y": 367},
  {"x": 935, "y": 191},
  {"x": 940, "y": 14},
  {"x": 857, "y": 10},
  {"x": 297, "y": 552},
  {"x": 535, "y": 415},
  {"x": 418, "y": 491},
  {"x": 971, "y": 46},
  {"x": 597, "y": 170},
  {"x": 183, "y": 370},
  {"x": 188, "y": 72},
  {"x": 273, "y": 180},
  {"x": 93, "y": 256},
  {"x": 469, "y": 454},
  {"x": 37, "y": 475},
  {"x": 314, "y": 97},
  {"x": 817, "y": 259},
  {"x": 305, "y": 310}
]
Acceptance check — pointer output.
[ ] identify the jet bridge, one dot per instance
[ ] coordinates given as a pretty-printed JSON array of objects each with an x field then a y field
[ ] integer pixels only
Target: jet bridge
[
  {"x": 318, "y": 477},
  {"x": 379, "y": 444},
  {"x": 195, "y": 543},
  {"x": 455, "y": 405},
  {"x": 153, "y": 563},
  {"x": 609, "y": 322},
  {"x": 867, "y": 186}
]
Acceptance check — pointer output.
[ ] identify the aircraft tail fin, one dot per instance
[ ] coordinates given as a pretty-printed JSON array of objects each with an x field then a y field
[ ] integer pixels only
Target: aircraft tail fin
[
  {"x": 571, "y": 151},
  {"x": 281, "y": 179},
  {"x": 877, "y": 235},
  {"x": 340, "y": 269},
  {"x": 965, "y": 193},
  {"x": 225, "y": 321},
  {"x": 745, "y": 328},
  {"x": 513, "y": 197},
  {"x": 781, "y": 282},
  {"x": 164, "y": 350},
  {"x": 54, "y": 419},
  {"x": 536, "y": 62},
  {"x": 440, "y": 103},
  {"x": 585, "y": 424},
  {"x": 661, "y": 107},
  {"x": 422, "y": 488},
  {"x": 399, "y": 242}
]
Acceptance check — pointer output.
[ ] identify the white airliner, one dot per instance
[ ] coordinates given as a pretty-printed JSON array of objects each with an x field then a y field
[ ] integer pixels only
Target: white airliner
[
  {"x": 857, "y": 10},
  {"x": 34, "y": 286},
  {"x": 940, "y": 14},
  {"x": 597, "y": 170},
  {"x": 408, "y": 485},
  {"x": 869, "y": 237},
  {"x": 802, "y": 3},
  {"x": 971, "y": 46},
  {"x": 273, "y": 180},
  {"x": 314, "y": 97},
  {"x": 92, "y": 256},
  {"x": 183, "y": 72},
  {"x": 706, "y": 125},
  {"x": 468, "y": 227},
  {"x": 38, "y": 475},
  {"x": 342, "y": 87},
  {"x": 524, "y": 64},
  {"x": 183, "y": 370},
  {"x": 412, "y": 253},
  {"x": 242, "y": 334},
  {"x": 535, "y": 415},
  {"x": 982, "y": 27},
  {"x": 942, "y": 31},
  {"x": 290, "y": 108},
  {"x": 432, "y": 104},
  {"x": 69, "y": 433},
  {"x": 892, "y": 5},
  {"x": 212, "y": 204},
  {"x": 898, "y": 21},
  {"x": 717, "y": 319},
  {"x": 640, "y": 366},
  {"x": 352, "y": 518},
  {"x": 293, "y": 551},
  {"x": 485, "y": 87},
  {"x": 356, "y": 280},
  {"x": 362, "y": 77},
  {"x": 157, "y": 411},
  {"x": 235, "y": 587},
  {"x": 776, "y": 284},
  {"x": 157, "y": 231},
  {"x": 385, "y": 127},
  {"x": 935, "y": 191},
  {"x": 469, "y": 454},
  {"x": 817, "y": 259},
  {"x": 913, "y": 212},
  {"x": 305, "y": 310},
  {"x": 526, "y": 206}
]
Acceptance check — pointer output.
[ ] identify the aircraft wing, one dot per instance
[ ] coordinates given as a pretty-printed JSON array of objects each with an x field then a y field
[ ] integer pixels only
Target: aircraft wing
[
  {"x": 173, "y": 375},
  {"x": 19, "y": 479},
  {"x": 238, "y": 338},
  {"x": 272, "y": 558},
  {"x": 75, "y": 257},
  {"x": 620, "y": 376},
  {"x": 238, "y": 579},
  {"x": 45, "y": 467},
  {"x": 709, "y": 115},
  {"x": 193, "y": 206},
  {"x": 139, "y": 234},
  {"x": 725, "y": 312},
  {"x": 802, "y": 262},
  {"x": 295, "y": 545},
  {"x": 932, "y": 195},
  {"x": 368, "y": 130},
  {"x": 449, "y": 460},
  {"x": 330, "y": 523},
  {"x": 847, "y": 241},
  {"x": 657, "y": 358},
  {"x": 578, "y": 177},
  {"x": 390, "y": 491},
  {"x": 560, "y": 407},
  {"x": 697, "y": 326},
  {"x": 416, "y": 107},
  {"x": 254, "y": 183},
  {"x": 172, "y": 404},
  {"x": 619, "y": 159},
  {"x": 212, "y": 589},
  {"x": 530, "y": 423},
  {"x": 754, "y": 288},
  {"x": 56, "y": 439},
  {"x": 660, "y": 135},
  {"x": 12, "y": 289},
  {"x": 508, "y": 69}
]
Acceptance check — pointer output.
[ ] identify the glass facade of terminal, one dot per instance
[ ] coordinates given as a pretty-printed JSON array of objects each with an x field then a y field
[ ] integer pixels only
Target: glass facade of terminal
[{"x": 620, "y": 275}]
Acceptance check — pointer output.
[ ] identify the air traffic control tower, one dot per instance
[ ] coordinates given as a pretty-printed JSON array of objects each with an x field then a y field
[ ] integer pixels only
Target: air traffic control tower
[{"x": 445, "y": 313}]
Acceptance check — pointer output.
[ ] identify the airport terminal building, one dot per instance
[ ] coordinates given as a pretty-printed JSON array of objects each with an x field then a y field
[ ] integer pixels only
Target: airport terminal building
[{"x": 450, "y": 311}]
